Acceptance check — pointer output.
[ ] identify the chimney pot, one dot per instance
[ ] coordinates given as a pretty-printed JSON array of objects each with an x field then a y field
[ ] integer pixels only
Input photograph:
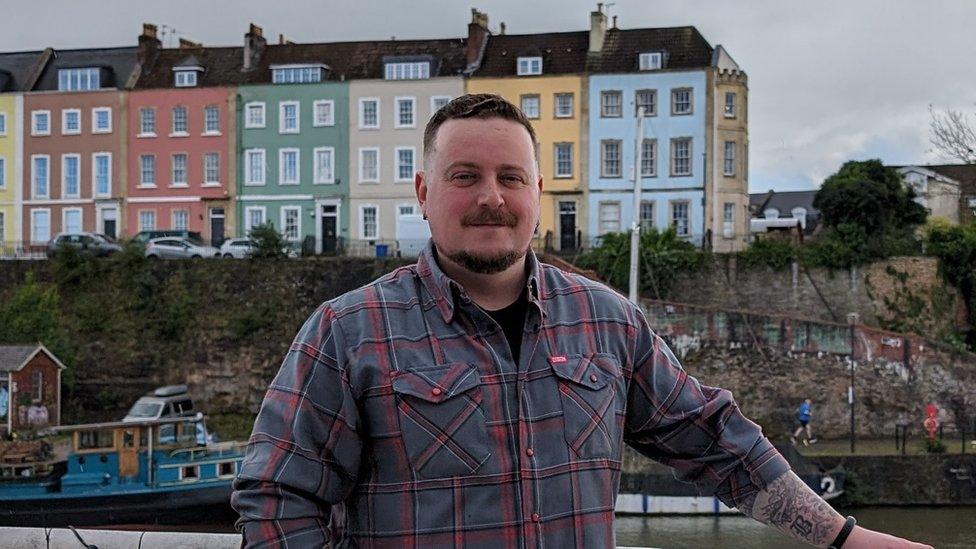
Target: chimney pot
[
  {"x": 614, "y": 21},
  {"x": 501, "y": 27},
  {"x": 149, "y": 30},
  {"x": 256, "y": 30},
  {"x": 281, "y": 38}
]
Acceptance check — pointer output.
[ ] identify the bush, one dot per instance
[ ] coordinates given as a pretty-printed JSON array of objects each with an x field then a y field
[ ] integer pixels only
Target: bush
[
  {"x": 268, "y": 242},
  {"x": 776, "y": 253},
  {"x": 933, "y": 446}
]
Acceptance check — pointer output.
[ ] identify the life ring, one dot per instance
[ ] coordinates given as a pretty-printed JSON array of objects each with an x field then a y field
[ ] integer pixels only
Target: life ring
[{"x": 827, "y": 484}]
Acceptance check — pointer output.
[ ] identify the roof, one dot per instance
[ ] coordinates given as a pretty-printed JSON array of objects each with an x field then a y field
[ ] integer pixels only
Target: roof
[
  {"x": 14, "y": 357},
  {"x": 221, "y": 67},
  {"x": 965, "y": 174},
  {"x": 16, "y": 68},
  {"x": 567, "y": 52},
  {"x": 784, "y": 201},
  {"x": 120, "y": 63}
]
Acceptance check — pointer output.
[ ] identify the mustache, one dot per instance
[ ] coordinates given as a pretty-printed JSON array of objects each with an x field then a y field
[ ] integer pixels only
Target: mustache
[{"x": 490, "y": 217}]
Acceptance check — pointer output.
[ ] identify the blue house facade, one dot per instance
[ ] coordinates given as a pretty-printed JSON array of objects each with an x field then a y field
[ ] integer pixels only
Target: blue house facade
[{"x": 673, "y": 151}]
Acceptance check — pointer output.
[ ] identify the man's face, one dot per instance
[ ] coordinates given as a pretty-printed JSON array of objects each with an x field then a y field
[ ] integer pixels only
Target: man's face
[{"x": 480, "y": 192}]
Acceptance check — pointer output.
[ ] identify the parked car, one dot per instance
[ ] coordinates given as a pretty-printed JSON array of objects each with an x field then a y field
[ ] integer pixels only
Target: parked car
[
  {"x": 96, "y": 244},
  {"x": 142, "y": 237},
  {"x": 237, "y": 248},
  {"x": 177, "y": 248}
]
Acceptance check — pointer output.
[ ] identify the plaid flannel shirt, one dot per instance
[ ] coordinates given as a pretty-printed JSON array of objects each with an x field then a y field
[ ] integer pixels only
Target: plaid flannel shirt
[{"x": 400, "y": 419}]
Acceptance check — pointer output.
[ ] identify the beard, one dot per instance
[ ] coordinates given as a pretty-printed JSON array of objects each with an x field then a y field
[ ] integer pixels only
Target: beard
[{"x": 487, "y": 264}]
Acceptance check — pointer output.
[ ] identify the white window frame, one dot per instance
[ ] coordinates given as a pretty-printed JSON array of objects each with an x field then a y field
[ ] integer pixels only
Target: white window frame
[
  {"x": 318, "y": 178},
  {"x": 604, "y": 173},
  {"x": 172, "y": 122},
  {"x": 34, "y": 116},
  {"x": 362, "y": 104},
  {"x": 248, "y": 123},
  {"x": 247, "y": 217},
  {"x": 142, "y": 172},
  {"x": 281, "y": 165},
  {"x": 64, "y": 175},
  {"x": 211, "y": 182},
  {"x": 730, "y": 108},
  {"x": 47, "y": 175},
  {"x": 362, "y": 221},
  {"x": 94, "y": 120},
  {"x": 556, "y": 113},
  {"x": 601, "y": 221},
  {"x": 674, "y": 101},
  {"x": 673, "y": 158},
  {"x": 172, "y": 220},
  {"x": 728, "y": 220},
  {"x": 172, "y": 170},
  {"x": 728, "y": 159},
  {"x": 296, "y": 74},
  {"x": 407, "y": 70},
  {"x": 33, "y": 225},
  {"x": 528, "y": 66},
  {"x": 262, "y": 153},
  {"x": 538, "y": 105},
  {"x": 149, "y": 214},
  {"x": 672, "y": 206},
  {"x": 396, "y": 164},
  {"x": 555, "y": 160},
  {"x": 653, "y": 165},
  {"x": 433, "y": 103},
  {"x": 401, "y": 206},
  {"x": 93, "y": 79},
  {"x": 647, "y": 224},
  {"x": 652, "y": 111},
  {"x": 185, "y": 78},
  {"x": 64, "y": 121},
  {"x": 316, "y": 106},
  {"x": 397, "y": 124},
  {"x": 3, "y": 174},
  {"x": 94, "y": 168},
  {"x": 142, "y": 113},
  {"x": 604, "y": 107},
  {"x": 207, "y": 131},
  {"x": 3, "y": 124},
  {"x": 281, "y": 117},
  {"x": 362, "y": 178},
  {"x": 64, "y": 219},
  {"x": 298, "y": 225},
  {"x": 651, "y": 61}
]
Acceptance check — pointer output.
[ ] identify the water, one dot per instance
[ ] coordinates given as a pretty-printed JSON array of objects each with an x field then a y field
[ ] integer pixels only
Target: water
[{"x": 941, "y": 527}]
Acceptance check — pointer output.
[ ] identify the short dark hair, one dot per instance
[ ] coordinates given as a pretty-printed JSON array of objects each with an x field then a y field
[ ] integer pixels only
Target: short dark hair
[{"x": 477, "y": 105}]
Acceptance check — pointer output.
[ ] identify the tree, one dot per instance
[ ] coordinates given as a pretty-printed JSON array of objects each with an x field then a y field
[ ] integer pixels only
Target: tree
[
  {"x": 268, "y": 242},
  {"x": 953, "y": 135},
  {"x": 871, "y": 196}
]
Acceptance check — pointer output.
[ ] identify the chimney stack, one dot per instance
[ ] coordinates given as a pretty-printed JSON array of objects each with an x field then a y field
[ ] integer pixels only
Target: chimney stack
[
  {"x": 254, "y": 44},
  {"x": 598, "y": 29},
  {"x": 148, "y": 44},
  {"x": 477, "y": 37}
]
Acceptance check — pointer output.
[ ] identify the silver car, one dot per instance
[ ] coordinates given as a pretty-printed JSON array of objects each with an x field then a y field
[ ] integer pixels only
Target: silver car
[
  {"x": 237, "y": 248},
  {"x": 169, "y": 247}
]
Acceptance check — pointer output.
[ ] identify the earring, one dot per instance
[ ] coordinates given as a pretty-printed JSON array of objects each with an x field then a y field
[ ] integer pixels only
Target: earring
[{"x": 425, "y": 217}]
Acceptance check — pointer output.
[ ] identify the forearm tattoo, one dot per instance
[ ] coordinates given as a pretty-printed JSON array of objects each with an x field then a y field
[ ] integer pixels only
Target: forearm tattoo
[{"x": 790, "y": 506}]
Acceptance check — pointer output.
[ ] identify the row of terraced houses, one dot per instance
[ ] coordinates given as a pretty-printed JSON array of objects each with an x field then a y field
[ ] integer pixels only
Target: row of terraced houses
[{"x": 323, "y": 139}]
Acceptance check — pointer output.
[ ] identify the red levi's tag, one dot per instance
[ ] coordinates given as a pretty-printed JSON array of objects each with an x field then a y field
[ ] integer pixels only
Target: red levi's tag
[{"x": 558, "y": 359}]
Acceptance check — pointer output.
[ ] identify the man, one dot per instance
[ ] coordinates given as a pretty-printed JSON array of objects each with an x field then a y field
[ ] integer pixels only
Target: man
[
  {"x": 803, "y": 415},
  {"x": 480, "y": 398}
]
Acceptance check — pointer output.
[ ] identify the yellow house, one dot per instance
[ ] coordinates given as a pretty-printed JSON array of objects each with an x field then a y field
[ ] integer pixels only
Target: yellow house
[
  {"x": 9, "y": 182},
  {"x": 542, "y": 73}
]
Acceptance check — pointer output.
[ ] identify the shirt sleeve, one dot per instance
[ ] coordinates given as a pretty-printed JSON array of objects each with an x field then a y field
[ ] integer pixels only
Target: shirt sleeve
[
  {"x": 697, "y": 430},
  {"x": 304, "y": 452}
]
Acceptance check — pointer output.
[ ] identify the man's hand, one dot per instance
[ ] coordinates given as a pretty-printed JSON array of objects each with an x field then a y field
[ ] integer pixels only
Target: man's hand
[
  {"x": 791, "y": 507},
  {"x": 862, "y": 538}
]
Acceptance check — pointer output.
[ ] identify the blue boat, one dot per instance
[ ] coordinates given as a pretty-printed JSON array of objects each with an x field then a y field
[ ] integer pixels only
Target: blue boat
[{"x": 158, "y": 471}]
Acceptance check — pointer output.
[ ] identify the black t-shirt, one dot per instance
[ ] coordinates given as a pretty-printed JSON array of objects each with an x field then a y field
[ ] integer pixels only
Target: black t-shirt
[{"x": 512, "y": 320}]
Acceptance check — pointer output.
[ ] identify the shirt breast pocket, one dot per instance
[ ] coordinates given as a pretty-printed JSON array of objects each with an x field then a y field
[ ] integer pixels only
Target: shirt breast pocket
[
  {"x": 589, "y": 395},
  {"x": 441, "y": 421}
]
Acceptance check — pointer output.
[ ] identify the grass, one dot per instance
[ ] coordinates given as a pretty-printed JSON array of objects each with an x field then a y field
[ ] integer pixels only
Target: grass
[{"x": 878, "y": 447}]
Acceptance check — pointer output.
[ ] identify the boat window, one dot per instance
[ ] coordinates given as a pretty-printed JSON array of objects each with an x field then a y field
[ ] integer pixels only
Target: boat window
[
  {"x": 167, "y": 433},
  {"x": 227, "y": 468},
  {"x": 188, "y": 432},
  {"x": 129, "y": 439},
  {"x": 183, "y": 406},
  {"x": 145, "y": 409},
  {"x": 189, "y": 472},
  {"x": 95, "y": 439}
]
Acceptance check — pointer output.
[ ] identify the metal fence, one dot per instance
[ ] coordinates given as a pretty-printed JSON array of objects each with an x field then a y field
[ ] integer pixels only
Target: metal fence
[{"x": 16, "y": 249}]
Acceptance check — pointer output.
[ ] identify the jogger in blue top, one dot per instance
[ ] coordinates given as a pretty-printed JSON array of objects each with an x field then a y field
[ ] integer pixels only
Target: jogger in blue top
[{"x": 803, "y": 415}]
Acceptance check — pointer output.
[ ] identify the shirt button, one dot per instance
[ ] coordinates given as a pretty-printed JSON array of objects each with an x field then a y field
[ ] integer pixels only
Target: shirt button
[
  {"x": 535, "y": 517},
  {"x": 593, "y": 378},
  {"x": 529, "y": 452},
  {"x": 436, "y": 391}
]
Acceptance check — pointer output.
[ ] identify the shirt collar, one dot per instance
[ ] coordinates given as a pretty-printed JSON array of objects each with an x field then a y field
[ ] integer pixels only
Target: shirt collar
[{"x": 446, "y": 291}]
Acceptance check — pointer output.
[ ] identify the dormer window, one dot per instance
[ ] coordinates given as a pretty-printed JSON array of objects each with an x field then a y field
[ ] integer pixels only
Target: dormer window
[
  {"x": 186, "y": 78},
  {"x": 88, "y": 78},
  {"x": 297, "y": 74},
  {"x": 418, "y": 70},
  {"x": 651, "y": 61},
  {"x": 528, "y": 66}
]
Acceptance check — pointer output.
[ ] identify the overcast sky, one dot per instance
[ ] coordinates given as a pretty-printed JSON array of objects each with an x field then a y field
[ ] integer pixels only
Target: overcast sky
[{"x": 829, "y": 80}]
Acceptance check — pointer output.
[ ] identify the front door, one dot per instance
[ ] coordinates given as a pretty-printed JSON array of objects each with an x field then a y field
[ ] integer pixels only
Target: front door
[
  {"x": 110, "y": 222},
  {"x": 330, "y": 222},
  {"x": 216, "y": 227},
  {"x": 128, "y": 451},
  {"x": 567, "y": 225}
]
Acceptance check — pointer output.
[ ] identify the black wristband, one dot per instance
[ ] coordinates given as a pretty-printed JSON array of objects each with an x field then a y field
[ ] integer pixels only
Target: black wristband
[{"x": 844, "y": 532}]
